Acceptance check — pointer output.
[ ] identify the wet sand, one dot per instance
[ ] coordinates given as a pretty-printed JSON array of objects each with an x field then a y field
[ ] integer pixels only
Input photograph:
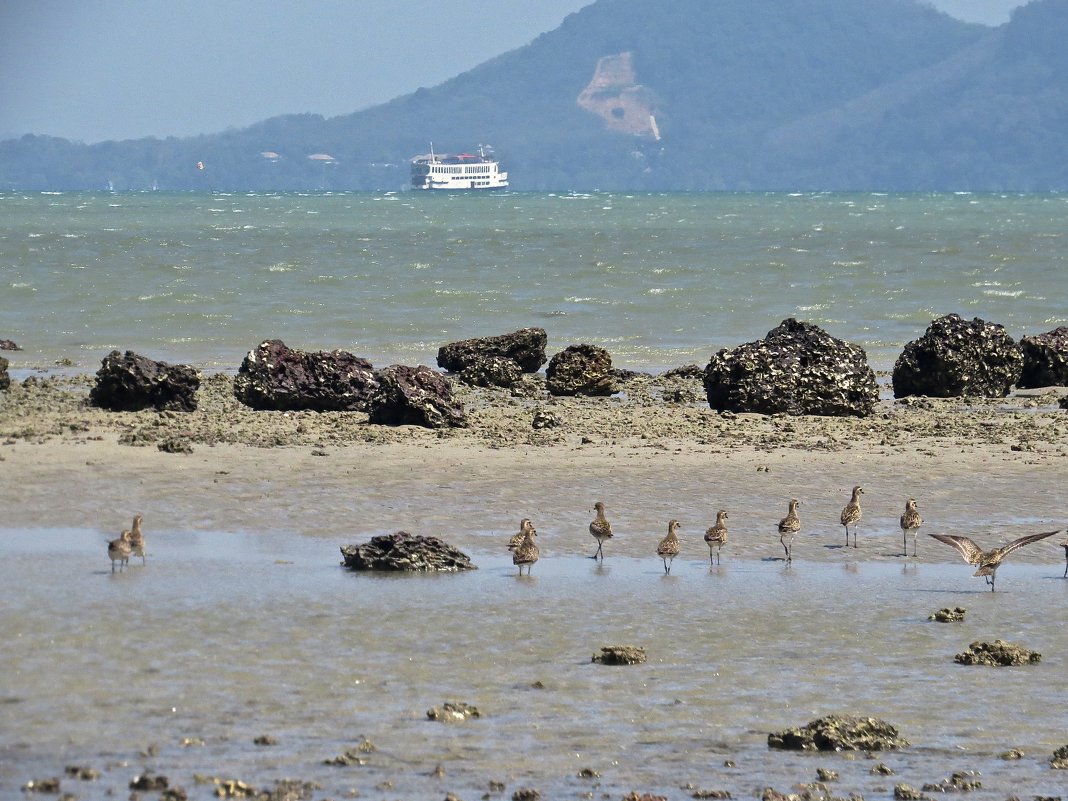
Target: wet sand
[{"x": 242, "y": 583}]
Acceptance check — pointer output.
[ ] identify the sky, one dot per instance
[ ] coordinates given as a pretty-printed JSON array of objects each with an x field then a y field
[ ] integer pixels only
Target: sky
[{"x": 92, "y": 70}]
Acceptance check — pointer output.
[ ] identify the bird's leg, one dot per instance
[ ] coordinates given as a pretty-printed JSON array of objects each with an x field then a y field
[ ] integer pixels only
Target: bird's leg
[
  {"x": 719, "y": 550},
  {"x": 712, "y": 560},
  {"x": 905, "y": 543}
]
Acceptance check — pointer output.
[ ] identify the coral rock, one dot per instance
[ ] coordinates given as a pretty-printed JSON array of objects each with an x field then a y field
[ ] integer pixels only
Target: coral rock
[
  {"x": 276, "y": 377},
  {"x": 127, "y": 382}
]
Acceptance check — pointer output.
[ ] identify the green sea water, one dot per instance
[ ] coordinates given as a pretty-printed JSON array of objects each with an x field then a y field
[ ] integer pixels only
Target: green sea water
[{"x": 660, "y": 280}]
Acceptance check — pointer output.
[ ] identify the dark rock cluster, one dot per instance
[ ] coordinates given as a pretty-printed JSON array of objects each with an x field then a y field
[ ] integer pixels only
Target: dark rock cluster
[
  {"x": 580, "y": 370},
  {"x": 525, "y": 347},
  {"x": 278, "y": 378},
  {"x": 840, "y": 733},
  {"x": 1045, "y": 359},
  {"x": 416, "y": 396},
  {"x": 453, "y": 712},
  {"x": 7, "y": 344},
  {"x": 948, "y": 615},
  {"x": 127, "y": 382},
  {"x": 5, "y": 379},
  {"x": 404, "y": 551},
  {"x": 798, "y": 368},
  {"x": 997, "y": 654},
  {"x": 1059, "y": 760},
  {"x": 620, "y": 655},
  {"x": 959, "y": 358}
]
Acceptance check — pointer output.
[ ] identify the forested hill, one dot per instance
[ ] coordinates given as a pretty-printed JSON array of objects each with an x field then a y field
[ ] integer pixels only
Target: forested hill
[{"x": 668, "y": 95}]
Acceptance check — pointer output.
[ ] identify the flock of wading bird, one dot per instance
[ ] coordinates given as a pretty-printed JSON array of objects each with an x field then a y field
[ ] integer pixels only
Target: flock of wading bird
[{"x": 524, "y": 544}]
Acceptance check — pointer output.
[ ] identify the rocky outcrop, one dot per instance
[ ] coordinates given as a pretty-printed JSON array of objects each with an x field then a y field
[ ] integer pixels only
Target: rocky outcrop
[
  {"x": 1059, "y": 760},
  {"x": 798, "y": 368},
  {"x": 1045, "y": 359},
  {"x": 5, "y": 379},
  {"x": 404, "y": 551},
  {"x": 959, "y": 358},
  {"x": 491, "y": 371},
  {"x": 614, "y": 95},
  {"x": 580, "y": 370},
  {"x": 453, "y": 712},
  {"x": 7, "y": 344},
  {"x": 620, "y": 655},
  {"x": 947, "y": 615},
  {"x": 415, "y": 396},
  {"x": 840, "y": 733},
  {"x": 525, "y": 347},
  {"x": 997, "y": 654},
  {"x": 127, "y": 382},
  {"x": 275, "y": 377}
]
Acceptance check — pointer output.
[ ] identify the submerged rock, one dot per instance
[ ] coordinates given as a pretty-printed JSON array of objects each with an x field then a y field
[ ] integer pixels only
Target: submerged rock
[
  {"x": 620, "y": 655},
  {"x": 798, "y": 368},
  {"x": 581, "y": 370},
  {"x": 453, "y": 712},
  {"x": 840, "y": 733},
  {"x": 948, "y": 615},
  {"x": 1059, "y": 760},
  {"x": 415, "y": 396},
  {"x": 404, "y": 551},
  {"x": 1045, "y": 359},
  {"x": 959, "y": 358},
  {"x": 7, "y": 344},
  {"x": 997, "y": 654},
  {"x": 127, "y": 382},
  {"x": 274, "y": 377},
  {"x": 525, "y": 347}
]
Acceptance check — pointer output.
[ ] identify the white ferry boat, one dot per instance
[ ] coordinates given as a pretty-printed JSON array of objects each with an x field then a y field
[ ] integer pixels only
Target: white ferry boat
[{"x": 457, "y": 171}]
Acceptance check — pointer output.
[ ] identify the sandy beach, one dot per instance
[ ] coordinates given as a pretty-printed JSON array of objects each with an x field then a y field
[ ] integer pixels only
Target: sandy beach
[{"x": 975, "y": 465}]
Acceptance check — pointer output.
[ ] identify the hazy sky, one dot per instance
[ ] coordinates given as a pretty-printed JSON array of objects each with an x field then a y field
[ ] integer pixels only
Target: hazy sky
[{"x": 116, "y": 69}]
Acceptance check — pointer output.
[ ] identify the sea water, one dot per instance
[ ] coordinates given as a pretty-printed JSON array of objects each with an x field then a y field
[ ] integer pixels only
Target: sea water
[{"x": 659, "y": 280}]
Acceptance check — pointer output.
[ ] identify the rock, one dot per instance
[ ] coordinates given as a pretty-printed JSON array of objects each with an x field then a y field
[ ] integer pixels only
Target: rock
[
  {"x": 350, "y": 757},
  {"x": 265, "y": 740},
  {"x": 1059, "y": 760},
  {"x": 620, "y": 655},
  {"x": 274, "y": 377},
  {"x": 7, "y": 344},
  {"x": 85, "y": 774},
  {"x": 687, "y": 371},
  {"x": 543, "y": 418},
  {"x": 719, "y": 794},
  {"x": 905, "y": 792},
  {"x": 5, "y": 379},
  {"x": 525, "y": 347},
  {"x": 404, "y": 551},
  {"x": 948, "y": 615},
  {"x": 1063, "y": 402},
  {"x": 798, "y": 368},
  {"x": 1045, "y": 359},
  {"x": 453, "y": 712},
  {"x": 956, "y": 358},
  {"x": 580, "y": 370},
  {"x": 415, "y": 396},
  {"x": 997, "y": 654},
  {"x": 826, "y": 775},
  {"x": 840, "y": 733},
  {"x": 881, "y": 770},
  {"x": 127, "y": 382},
  {"x": 961, "y": 781},
  {"x": 149, "y": 782},
  {"x": 1012, "y": 755},
  {"x": 50, "y": 786},
  {"x": 491, "y": 371}
]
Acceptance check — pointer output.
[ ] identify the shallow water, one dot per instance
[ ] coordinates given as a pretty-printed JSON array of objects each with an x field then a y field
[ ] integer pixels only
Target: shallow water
[{"x": 228, "y": 636}]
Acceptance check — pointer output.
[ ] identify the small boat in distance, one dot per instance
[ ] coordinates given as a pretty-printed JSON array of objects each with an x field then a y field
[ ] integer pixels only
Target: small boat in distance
[{"x": 457, "y": 171}]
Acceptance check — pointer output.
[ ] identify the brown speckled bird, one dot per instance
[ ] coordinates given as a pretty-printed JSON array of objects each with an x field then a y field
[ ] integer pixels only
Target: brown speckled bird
[
  {"x": 988, "y": 562},
  {"x": 600, "y": 529},
  {"x": 910, "y": 524},
  {"x": 716, "y": 536},
  {"x": 119, "y": 550},
  {"x": 524, "y": 526},
  {"x": 137, "y": 538},
  {"x": 526, "y": 553},
  {"x": 788, "y": 528},
  {"x": 851, "y": 514},
  {"x": 669, "y": 547}
]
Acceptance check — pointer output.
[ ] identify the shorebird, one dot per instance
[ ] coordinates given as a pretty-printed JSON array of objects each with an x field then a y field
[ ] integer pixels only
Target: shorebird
[
  {"x": 910, "y": 524},
  {"x": 526, "y": 552},
  {"x": 988, "y": 562},
  {"x": 137, "y": 538},
  {"x": 668, "y": 548},
  {"x": 717, "y": 535},
  {"x": 516, "y": 539},
  {"x": 119, "y": 550},
  {"x": 852, "y": 514},
  {"x": 601, "y": 529},
  {"x": 788, "y": 528}
]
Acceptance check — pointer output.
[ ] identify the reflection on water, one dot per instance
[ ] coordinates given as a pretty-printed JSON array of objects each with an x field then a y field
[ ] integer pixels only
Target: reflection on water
[{"x": 226, "y": 637}]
